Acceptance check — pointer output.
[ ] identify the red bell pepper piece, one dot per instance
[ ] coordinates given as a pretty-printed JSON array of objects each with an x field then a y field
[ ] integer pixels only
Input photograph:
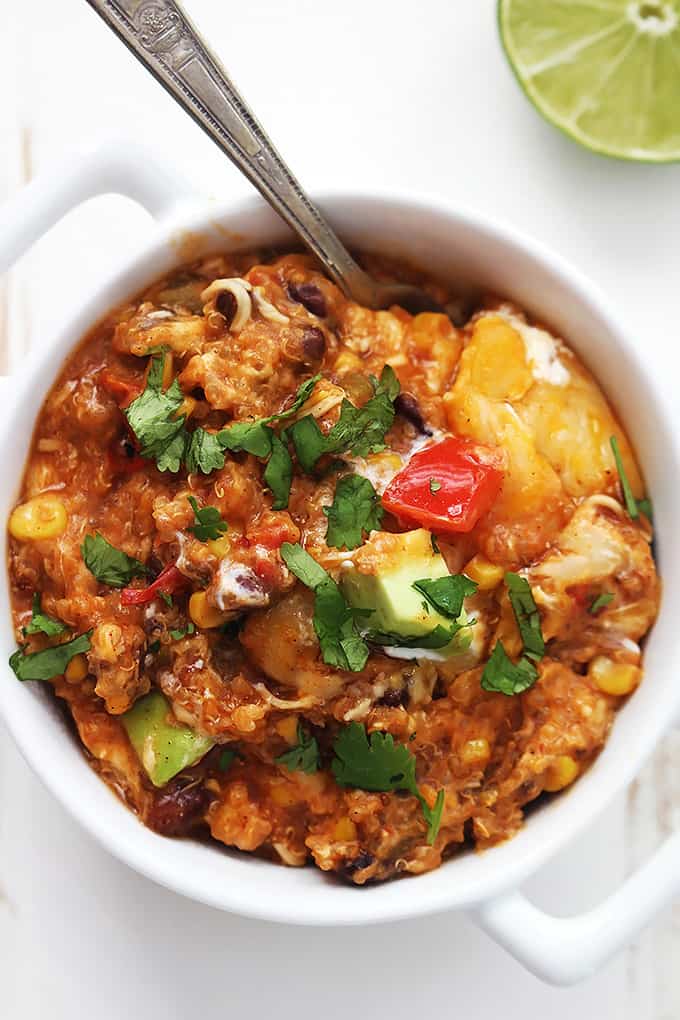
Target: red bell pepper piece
[
  {"x": 124, "y": 391},
  {"x": 121, "y": 462},
  {"x": 446, "y": 487},
  {"x": 168, "y": 582}
]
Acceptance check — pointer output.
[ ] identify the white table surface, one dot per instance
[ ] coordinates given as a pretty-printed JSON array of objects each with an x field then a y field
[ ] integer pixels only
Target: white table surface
[{"x": 363, "y": 93}]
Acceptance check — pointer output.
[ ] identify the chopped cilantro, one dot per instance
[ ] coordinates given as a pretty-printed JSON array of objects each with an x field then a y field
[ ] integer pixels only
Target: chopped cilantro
[
  {"x": 632, "y": 505},
  {"x": 50, "y": 662},
  {"x": 501, "y": 674},
  {"x": 361, "y": 430},
  {"x": 526, "y": 614},
  {"x": 435, "y": 485},
  {"x": 334, "y": 621},
  {"x": 203, "y": 452},
  {"x": 600, "y": 601},
  {"x": 278, "y": 474},
  {"x": 435, "y": 545},
  {"x": 167, "y": 598},
  {"x": 380, "y": 765},
  {"x": 177, "y": 635},
  {"x": 110, "y": 565},
  {"x": 304, "y": 756},
  {"x": 355, "y": 510},
  {"x": 446, "y": 594},
  {"x": 247, "y": 437},
  {"x": 152, "y": 416},
  {"x": 41, "y": 623},
  {"x": 439, "y": 637},
  {"x": 645, "y": 507},
  {"x": 209, "y": 524}
]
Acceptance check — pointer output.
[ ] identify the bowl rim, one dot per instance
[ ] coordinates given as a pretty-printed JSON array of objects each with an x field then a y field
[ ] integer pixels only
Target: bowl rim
[{"x": 509, "y": 864}]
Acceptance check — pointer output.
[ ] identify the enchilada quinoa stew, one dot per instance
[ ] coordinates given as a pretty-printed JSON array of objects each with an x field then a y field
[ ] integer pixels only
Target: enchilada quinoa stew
[{"x": 328, "y": 584}]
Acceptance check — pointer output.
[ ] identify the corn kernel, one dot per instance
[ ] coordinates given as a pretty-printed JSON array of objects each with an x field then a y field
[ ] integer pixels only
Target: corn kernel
[
  {"x": 475, "y": 752},
  {"x": 484, "y": 573},
  {"x": 347, "y": 362},
  {"x": 76, "y": 670},
  {"x": 617, "y": 678},
  {"x": 219, "y": 547},
  {"x": 283, "y": 794},
  {"x": 41, "y": 517},
  {"x": 561, "y": 773},
  {"x": 287, "y": 728},
  {"x": 205, "y": 616},
  {"x": 345, "y": 830}
]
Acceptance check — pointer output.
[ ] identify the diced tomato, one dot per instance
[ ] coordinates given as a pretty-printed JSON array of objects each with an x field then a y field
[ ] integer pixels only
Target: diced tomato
[
  {"x": 168, "y": 582},
  {"x": 446, "y": 487},
  {"x": 124, "y": 391},
  {"x": 273, "y": 529}
]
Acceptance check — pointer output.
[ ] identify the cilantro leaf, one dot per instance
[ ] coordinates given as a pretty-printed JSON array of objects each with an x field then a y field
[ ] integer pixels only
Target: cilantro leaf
[
  {"x": 204, "y": 452},
  {"x": 152, "y": 416},
  {"x": 356, "y": 509},
  {"x": 50, "y": 662},
  {"x": 177, "y": 635},
  {"x": 526, "y": 614},
  {"x": 247, "y": 436},
  {"x": 209, "y": 524},
  {"x": 278, "y": 474},
  {"x": 304, "y": 757},
  {"x": 361, "y": 430},
  {"x": 504, "y": 676},
  {"x": 254, "y": 436},
  {"x": 304, "y": 566},
  {"x": 334, "y": 621},
  {"x": 439, "y": 637},
  {"x": 435, "y": 485},
  {"x": 446, "y": 594},
  {"x": 110, "y": 565},
  {"x": 645, "y": 506},
  {"x": 41, "y": 623},
  {"x": 632, "y": 505},
  {"x": 600, "y": 601},
  {"x": 380, "y": 765}
]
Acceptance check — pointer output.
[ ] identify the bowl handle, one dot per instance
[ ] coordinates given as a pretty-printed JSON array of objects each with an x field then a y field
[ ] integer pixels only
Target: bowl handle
[
  {"x": 564, "y": 950},
  {"x": 118, "y": 166}
]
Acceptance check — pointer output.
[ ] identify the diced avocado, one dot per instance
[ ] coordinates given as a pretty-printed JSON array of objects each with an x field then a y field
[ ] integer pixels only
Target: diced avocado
[
  {"x": 164, "y": 747},
  {"x": 381, "y": 579}
]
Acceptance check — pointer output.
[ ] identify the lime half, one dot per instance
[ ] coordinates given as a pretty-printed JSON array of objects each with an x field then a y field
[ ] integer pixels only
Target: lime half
[{"x": 607, "y": 72}]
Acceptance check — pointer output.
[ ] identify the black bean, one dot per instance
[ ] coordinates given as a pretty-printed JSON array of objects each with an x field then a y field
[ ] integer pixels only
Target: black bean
[
  {"x": 361, "y": 861},
  {"x": 308, "y": 295},
  {"x": 407, "y": 406},
  {"x": 226, "y": 305},
  {"x": 178, "y": 808},
  {"x": 313, "y": 345}
]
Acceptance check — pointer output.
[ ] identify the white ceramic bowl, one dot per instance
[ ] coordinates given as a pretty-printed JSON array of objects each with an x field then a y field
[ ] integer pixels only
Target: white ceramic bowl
[{"x": 461, "y": 247}]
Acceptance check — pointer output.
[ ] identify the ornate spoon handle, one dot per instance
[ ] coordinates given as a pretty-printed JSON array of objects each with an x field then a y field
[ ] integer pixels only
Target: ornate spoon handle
[{"x": 163, "y": 38}]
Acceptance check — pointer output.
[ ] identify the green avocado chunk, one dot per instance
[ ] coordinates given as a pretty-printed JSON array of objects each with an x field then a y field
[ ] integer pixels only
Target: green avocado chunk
[
  {"x": 381, "y": 579},
  {"x": 164, "y": 747}
]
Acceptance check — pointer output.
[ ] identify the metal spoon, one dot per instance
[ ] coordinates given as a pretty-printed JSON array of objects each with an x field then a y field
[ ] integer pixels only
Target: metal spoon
[{"x": 163, "y": 38}]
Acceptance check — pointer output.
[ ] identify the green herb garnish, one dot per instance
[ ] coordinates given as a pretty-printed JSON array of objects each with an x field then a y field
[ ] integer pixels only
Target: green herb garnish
[
  {"x": 504, "y": 676},
  {"x": 526, "y": 614},
  {"x": 360, "y": 430},
  {"x": 50, "y": 662},
  {"x": 439, "y": 637},
  {"x": 177, "y": 635},
  {"x": 334, "y": 621},
  {"x": 225, "y": 760},
  {"x": 304, "y": 756},
  {"x": 152, "y": 416},
  {"x": 355, "y": 510},
  {"x": 209, "y": 524},
  {"x": 110, "y": 565},
  {"x": 204, "y": 452},
  {"x": 278, "y": 474},
  {"x": 446, "y": 594},
  {"x": 41, "y": 623},
  {"x": 435, "y": 485},
  {"x": 633, "y": 505},
  {"x": 380, "y": 765},
  {"x": 600, "y": 601}
]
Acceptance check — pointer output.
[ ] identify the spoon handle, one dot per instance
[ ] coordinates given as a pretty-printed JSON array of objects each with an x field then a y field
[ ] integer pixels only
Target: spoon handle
[{"x": 163, "y": 38}]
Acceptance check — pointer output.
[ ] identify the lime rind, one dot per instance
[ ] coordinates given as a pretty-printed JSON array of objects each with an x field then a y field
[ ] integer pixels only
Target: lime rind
[{"x": 604, "y": 72}]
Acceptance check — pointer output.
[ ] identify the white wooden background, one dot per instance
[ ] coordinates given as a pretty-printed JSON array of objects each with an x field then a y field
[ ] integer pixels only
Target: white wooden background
[{"x": 416, "y": 96}]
